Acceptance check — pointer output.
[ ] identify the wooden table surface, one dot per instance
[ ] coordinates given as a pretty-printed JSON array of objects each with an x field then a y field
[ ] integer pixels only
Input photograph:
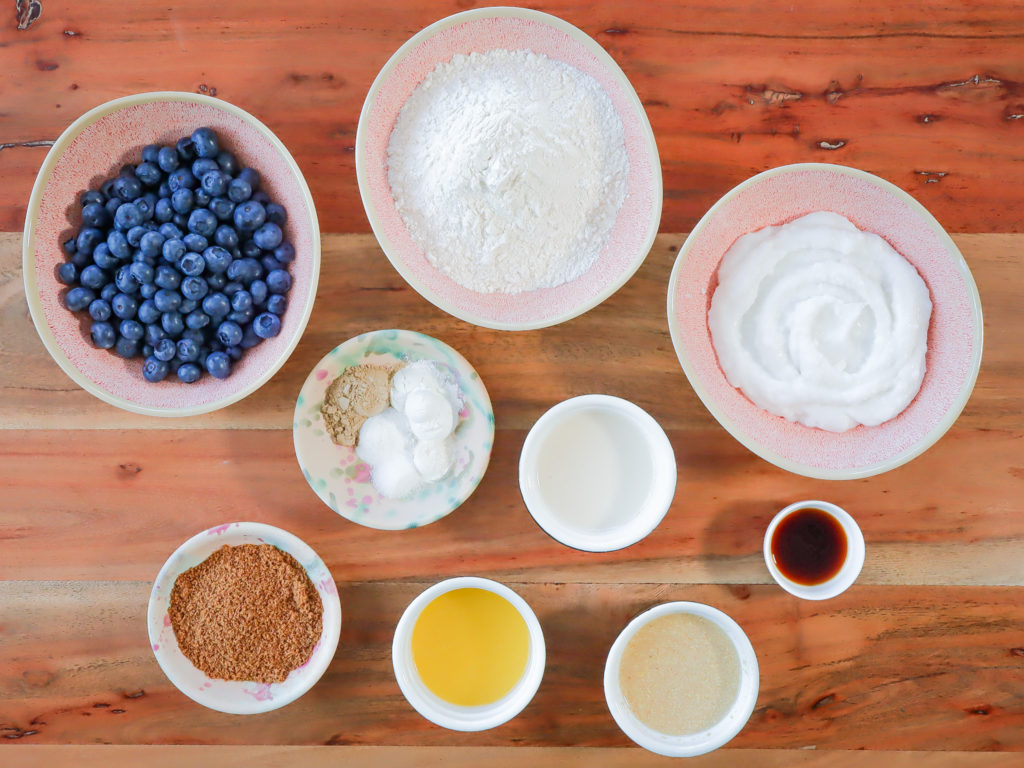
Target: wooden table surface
[{"x": 921, "y": 663}]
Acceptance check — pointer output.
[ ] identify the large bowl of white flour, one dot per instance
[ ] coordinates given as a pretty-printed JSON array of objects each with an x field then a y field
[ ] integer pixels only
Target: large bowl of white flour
[{"x": 508, "y": 168}]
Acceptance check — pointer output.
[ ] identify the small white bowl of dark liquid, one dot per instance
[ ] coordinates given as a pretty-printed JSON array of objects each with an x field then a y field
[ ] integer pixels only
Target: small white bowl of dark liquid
[{"x": 597, "y": 473}]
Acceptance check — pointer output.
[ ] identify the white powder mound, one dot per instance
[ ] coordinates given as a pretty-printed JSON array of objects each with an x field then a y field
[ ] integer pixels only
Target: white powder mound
[
  {"x": 433, "y": 460},
  {"x": 396, "y": 477},
  {"x": 508, "y": 169},
  {"x": 430, "y": 415},
  {"x": 382, "y": 436}
]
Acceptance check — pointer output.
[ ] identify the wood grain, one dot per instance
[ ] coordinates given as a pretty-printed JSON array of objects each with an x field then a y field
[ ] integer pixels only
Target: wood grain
[
  {"x": 929, "y": 95},
  {"x": 936, "y": 668},
  {"x": 621, "y": 347},
  {"x": 46, "y": 756}
]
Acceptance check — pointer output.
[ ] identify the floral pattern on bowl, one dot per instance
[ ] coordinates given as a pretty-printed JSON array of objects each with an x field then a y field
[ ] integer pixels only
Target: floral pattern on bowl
[
  {"x": 338, "y": 476},
  {"x": 236, "y": 697}
]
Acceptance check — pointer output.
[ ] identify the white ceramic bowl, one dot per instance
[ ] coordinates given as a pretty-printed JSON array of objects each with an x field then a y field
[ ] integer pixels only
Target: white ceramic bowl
[
  {"x": 482, "y": 30},
  {"x": 955, "y": 334},
  {"x": 93, "y": 148},
  {"x": 338, "y": 476},
  {"x": 689, "y": 745},
  {"x": 848, "y": 573},
  {"x": 235, "y": 697},
  {"x": 453, "y": 716},
  {"x": 651, "y": 501}
]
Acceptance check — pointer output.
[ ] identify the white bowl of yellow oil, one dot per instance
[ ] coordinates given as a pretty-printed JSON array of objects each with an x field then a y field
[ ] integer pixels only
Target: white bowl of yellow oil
[
  {"x": 468, "y": 654},
  {"x": 597, "y": 473},
  {"x": 681, "y": 679}
]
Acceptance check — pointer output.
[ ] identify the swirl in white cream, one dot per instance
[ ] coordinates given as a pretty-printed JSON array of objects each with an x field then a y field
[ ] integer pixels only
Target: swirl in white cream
[{"x": 821, "y": 323}]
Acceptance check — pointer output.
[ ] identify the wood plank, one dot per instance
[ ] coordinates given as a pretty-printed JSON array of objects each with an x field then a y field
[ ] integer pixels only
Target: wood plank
[
  {"x": 117, "y": 504},
  {"x": 621, "y": 347},
  {"x": 928, "y": 95},
  {"x": 878, "y": 668},
  {"x": 157, "y": 756}
]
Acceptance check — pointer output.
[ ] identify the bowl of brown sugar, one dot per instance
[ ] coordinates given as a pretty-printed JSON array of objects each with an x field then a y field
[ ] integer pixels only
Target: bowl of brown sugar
[{"x": 244, "y": 618}]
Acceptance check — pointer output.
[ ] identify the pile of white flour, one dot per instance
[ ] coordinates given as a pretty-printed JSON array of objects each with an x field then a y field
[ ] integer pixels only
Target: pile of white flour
[{"x": 508, "y": 169}]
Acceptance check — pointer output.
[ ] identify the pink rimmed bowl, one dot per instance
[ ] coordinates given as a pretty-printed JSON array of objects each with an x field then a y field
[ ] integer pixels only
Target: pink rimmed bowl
[
  {"x": 231, "y": 696},
  {"x": 955, "y": 334},
  {"x": 482, "y": 30},
  {"x": 93, "y": 148}
]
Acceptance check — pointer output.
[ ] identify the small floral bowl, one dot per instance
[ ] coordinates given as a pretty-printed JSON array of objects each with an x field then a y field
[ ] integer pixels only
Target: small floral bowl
[
  {"x": 93, "y": 148},
  {"x": 342, "y": 481},
  {"x": 235, "y": 697},
  {"x": 478, "y": 31}
]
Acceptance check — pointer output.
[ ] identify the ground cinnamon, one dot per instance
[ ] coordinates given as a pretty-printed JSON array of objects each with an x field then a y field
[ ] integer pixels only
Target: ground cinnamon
[{"x": 247, "y": 612}]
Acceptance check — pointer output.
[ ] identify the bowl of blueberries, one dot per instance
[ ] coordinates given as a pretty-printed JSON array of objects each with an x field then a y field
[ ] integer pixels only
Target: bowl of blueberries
[{"x": 171, "y": 253}]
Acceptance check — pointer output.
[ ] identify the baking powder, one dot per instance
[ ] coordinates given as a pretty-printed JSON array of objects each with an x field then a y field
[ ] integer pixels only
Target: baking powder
[{"x": 508, "y": 169}]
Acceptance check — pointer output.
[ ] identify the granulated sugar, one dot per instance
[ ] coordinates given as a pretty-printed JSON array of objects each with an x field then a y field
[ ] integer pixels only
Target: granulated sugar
[
  {"x": 508, "y": 169},
  {"x": 680, "y": 674}
]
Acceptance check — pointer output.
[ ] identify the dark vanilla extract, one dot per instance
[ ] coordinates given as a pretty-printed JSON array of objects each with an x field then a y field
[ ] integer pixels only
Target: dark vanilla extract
[{"x": 809, "y": 546}]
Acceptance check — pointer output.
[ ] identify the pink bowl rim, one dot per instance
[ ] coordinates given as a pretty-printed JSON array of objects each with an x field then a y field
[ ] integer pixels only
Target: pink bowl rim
[
  {"x": 28, "y": 249},
  {"x": 616, "y": 72},
  {"x": 799, "y": 468}
]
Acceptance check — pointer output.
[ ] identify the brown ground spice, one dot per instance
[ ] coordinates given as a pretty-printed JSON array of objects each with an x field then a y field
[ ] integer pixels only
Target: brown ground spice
[
  {"x": 360, "y": 392},
  {"x": 247, "y": 612}
]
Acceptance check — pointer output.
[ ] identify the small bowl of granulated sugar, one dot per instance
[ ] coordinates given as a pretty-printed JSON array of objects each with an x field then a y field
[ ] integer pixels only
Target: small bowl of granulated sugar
[
  {"x": 244, "y": 618},
  {"x": 393, "y": 429},
  {"x": 508, "y": 168}
]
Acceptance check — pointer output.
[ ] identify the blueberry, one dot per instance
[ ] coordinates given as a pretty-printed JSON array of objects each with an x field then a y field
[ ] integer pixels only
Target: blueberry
[
  {"x": 276, "y": 214},
  {"x": 164, "y": 210},
  {"x": 152, "y": 244},
  {"x": 203, "y": 166},
  {"x": 146, "y": 350},
  {"x": 142, "y": 272},
  {"x": 182, "y": 178},
  {"x": 99, "y": 309},
  {"x": 185, "y": 149},
  {"x": 154, "y": 370},
  {"x": 216, "y": 305},
  {"x": 215, "y": 183},
  {"x": 81, "y": 260},
  {"x": 270, "y": 264},
  {"x": 134, "y": 235},
  {"x": 126, "y": 348},
  {"x": 285, "y": 253},
  {"x": 173, "y": 250},
  {"x": 242, "y": 318},
  {"x": 229, "y": 333},
  {"x": 123, "y": 280},
  {"x": 70, "y": 246},
  {"x": 91, "y": 196},
  {"x": 109, "y": 292},
  {"x": 232, "y": 288},
  {"x": 261, "y": 197},
  {"x": 277, "y": 304},
  {"x": 195, "y": 243},
  {"x": 170, "y": 230},
  {"x": 148, "y": 290},
  {"x": 87, "y": 239},
  {"x": 239, "y": 190},
  {"x": 167, "y": 300},
  {"x": 103, "y": 335},
  {"x": 173, "y": 323},
  {"x": 279, "y": 281},
  {"x": 217, "y": 280},
  {"x": 107, "y": 188},
  {"x": 205, "y": 142},
  {"x": 202, "y": 222},
  {"x": 251, "y": 177},
  {"x": 258, "y": 291},
  {"x": 217, "y": 259},
  {"x": 222, "y": 208},
  {"x": 188, "y": 350},
  {"x": 249, "y": 338},
  {"x": 218, "y": 365},
  {"x": 124, "y": 306},
  {"x": 150, "y": 152},
  {"x": 249, "y": 216},
  {"x": 187, "y": 306},
  {"x": 268, "y": 237},
  {"x": 148, "y": 313},
  {"x": 167, "y": 159},
  {"x": 250, "y": 250},
  {"x": 127, "y": 188},
  {"x": 182, "y": 200},
  {"x": 241, "y": 301},
  {"x": 225, "y": 236},
  {"x": 79, "y": 298},
  {"x": 67, "y": 273},
  {"x": 132, "y": 329},
  {"x": 203, "y": 199},
  {"x": 234, "y": 352},
  {"x": 93, "y": 277},
  {"x": 164, "y": 190},
  {"x": 145, "y": 206},
  {"x": 167, "y": 277},
  {"x": 95, "y": 215},
  {"x": 118, "y": 244},
  {"x": 189, "y": 373},
  {"x": 154, "y": 333},
  {"x": 193, "y": 287},
  {"x": 148, "y": 173},
  {"x": 245, "y": 270},
  {"x": 128, "y": 215},
  {"x": 180, "y": 220},
  {"x": 197, "y": 319}
]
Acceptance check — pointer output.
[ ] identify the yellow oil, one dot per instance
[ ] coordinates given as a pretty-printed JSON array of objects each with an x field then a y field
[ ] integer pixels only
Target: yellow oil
[{"x": 470, "y": 646}]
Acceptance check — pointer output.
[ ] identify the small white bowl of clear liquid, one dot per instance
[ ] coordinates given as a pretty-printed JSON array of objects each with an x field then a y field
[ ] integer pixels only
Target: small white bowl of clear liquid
[{"x": 597, "y": 473}]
